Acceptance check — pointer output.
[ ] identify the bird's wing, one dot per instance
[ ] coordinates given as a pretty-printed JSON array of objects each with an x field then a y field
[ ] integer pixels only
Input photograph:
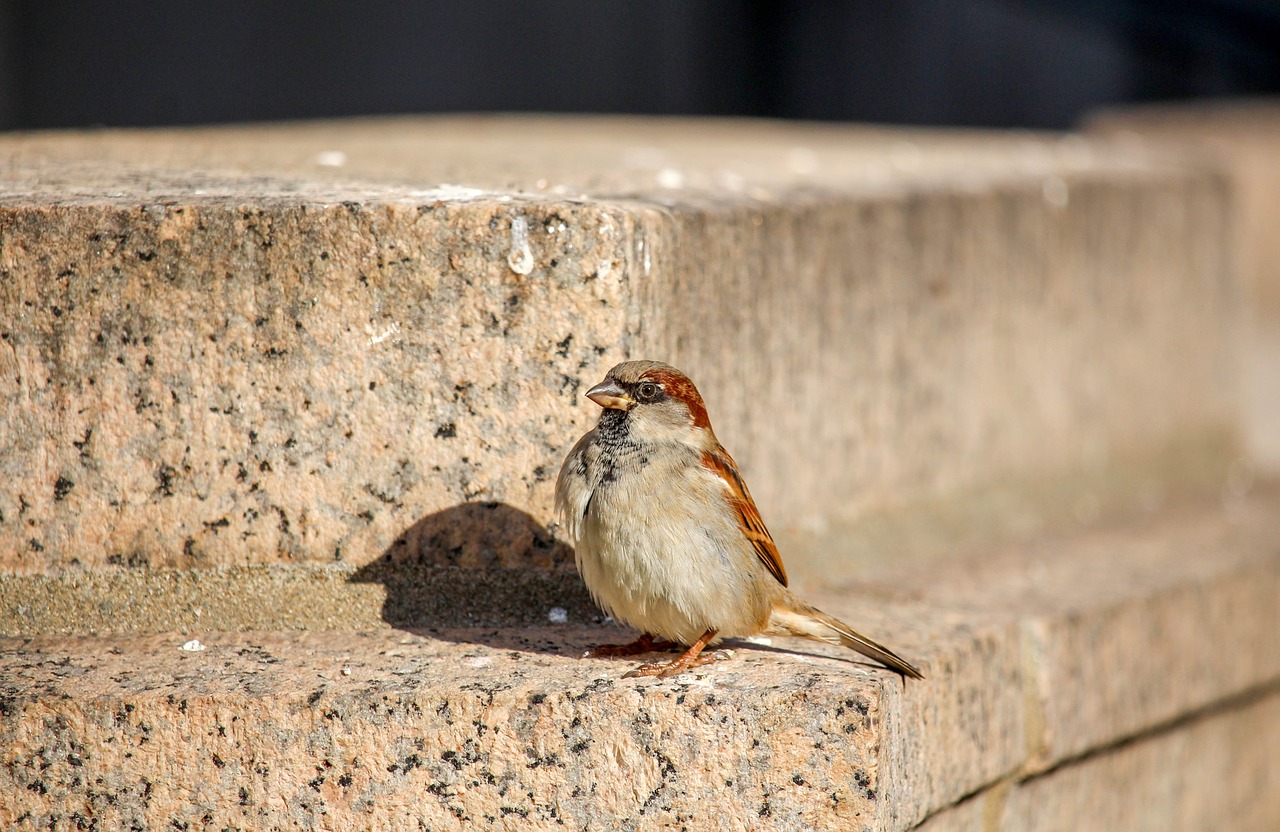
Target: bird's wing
[
  {"x": 722, "y": 465},
  {"x": 573, "y": 489}
]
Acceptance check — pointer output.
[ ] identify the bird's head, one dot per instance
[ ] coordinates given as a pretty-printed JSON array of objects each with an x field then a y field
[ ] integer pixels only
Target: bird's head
[{"x": 656, "y": 400}]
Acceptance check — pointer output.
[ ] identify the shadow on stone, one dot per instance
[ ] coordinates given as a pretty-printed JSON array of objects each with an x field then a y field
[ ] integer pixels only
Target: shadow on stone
[
  {"x": 489, "y": 573},
  {"x": 479, "y": 565}
]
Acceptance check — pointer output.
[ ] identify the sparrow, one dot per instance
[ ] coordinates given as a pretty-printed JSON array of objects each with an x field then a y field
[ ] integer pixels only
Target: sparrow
[{"x": 666, "y": 535}]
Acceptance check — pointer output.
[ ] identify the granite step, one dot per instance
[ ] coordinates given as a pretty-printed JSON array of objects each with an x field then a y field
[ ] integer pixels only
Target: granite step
[{"x": 1049, "y": 669}]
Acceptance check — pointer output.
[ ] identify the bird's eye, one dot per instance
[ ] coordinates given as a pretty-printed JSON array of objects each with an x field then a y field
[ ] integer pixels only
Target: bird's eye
[{"x": 648, "y": 391}]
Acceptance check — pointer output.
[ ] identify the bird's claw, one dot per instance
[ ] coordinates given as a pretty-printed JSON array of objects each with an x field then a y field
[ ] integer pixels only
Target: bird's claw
[{"x": 665, "y": 670}]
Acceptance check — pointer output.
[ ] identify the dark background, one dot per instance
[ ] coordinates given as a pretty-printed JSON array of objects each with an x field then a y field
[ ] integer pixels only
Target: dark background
[{"x": 948, "y": 62}]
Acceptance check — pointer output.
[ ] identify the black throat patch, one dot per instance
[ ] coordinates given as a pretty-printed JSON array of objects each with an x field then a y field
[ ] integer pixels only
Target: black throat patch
[{"x": 617, "y": 448}]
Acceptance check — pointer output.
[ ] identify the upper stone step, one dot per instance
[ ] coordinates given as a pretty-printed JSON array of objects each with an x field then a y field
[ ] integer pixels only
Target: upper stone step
[
  {"x": 313, "y": 343},
  {"x": 1239, "y": 138}
]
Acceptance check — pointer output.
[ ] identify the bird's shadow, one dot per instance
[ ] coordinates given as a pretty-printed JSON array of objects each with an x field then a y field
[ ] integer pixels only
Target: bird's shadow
[
  {"x": 485, "y": 573},
  {"x": 488, "y": 573}
]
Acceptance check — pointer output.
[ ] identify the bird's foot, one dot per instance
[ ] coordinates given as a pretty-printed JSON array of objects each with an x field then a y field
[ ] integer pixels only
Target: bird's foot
[
  {"x": 688, "y": 659},
  {"x": 645, "y": 644},
  {"x": 665, "y": 670}
]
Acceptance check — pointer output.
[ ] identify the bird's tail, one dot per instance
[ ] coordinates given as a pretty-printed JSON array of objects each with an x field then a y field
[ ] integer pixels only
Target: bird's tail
[{"x": 796, "y": 618}]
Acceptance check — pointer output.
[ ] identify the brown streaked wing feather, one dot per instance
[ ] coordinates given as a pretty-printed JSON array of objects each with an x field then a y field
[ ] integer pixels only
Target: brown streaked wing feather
[{"x": 739, "y": 498}]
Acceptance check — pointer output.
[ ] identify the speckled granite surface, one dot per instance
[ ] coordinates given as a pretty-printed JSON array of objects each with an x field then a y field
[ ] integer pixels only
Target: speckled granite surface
[
  {"x": 1068, "y": 656},
  {"x": 232, "y": 346}
]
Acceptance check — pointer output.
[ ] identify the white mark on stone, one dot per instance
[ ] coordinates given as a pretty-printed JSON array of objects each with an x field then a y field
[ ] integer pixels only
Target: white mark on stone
[
  {"x": 802, "y": 161},
  {"x": 346, "y": 671},
  {"x": 193, "y": 646},
  {"x": 800, "y": 657},
  {"x": 604, "y": 268},
  {"x": 331, "y": 158},
  {"x": 521, "y": 258},
  {"x": 385, "y": 334},
  {"x": 478, "y": 661},
  {"x": 557, "y": 615},
  {"x": 731, "y": 180},
  {"x": 700, "y": 680},
  {"x": 1056, "y": 192},
  {"x": 670, "y": 178},
  {"x": 447, "y": 191}
]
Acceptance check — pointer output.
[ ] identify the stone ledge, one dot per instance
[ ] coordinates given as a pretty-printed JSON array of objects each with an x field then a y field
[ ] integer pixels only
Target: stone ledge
[
  {"x": 1212, "y": 772},
  {"x": 1125, "y": 627},
  {"x": 1237, "y": 137},
  {"x": 500, "y": 726},
  {"x": 1120, "y": 628},
  {"x": 663, "y": 160},
  {"x": 407, "y": 590},
  {"x": 455, "y": 729},
  {"x": 220, "y": 351}
]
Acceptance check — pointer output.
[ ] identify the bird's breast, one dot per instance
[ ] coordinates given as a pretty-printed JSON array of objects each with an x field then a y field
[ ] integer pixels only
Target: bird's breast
[{"x": 659, "y": 548}]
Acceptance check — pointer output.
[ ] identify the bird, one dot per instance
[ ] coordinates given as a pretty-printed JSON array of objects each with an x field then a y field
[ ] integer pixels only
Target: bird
[{"x": 667, "y": 537}]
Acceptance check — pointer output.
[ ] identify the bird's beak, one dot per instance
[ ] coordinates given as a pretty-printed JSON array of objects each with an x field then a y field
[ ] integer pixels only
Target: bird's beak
[{"x": 608, "y": 395}]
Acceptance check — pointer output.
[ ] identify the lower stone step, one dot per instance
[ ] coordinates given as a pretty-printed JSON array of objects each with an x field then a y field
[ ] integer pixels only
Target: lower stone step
[
  {"x": 1037, "y": 660},
  {"x": 1215, "y": 771}
]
